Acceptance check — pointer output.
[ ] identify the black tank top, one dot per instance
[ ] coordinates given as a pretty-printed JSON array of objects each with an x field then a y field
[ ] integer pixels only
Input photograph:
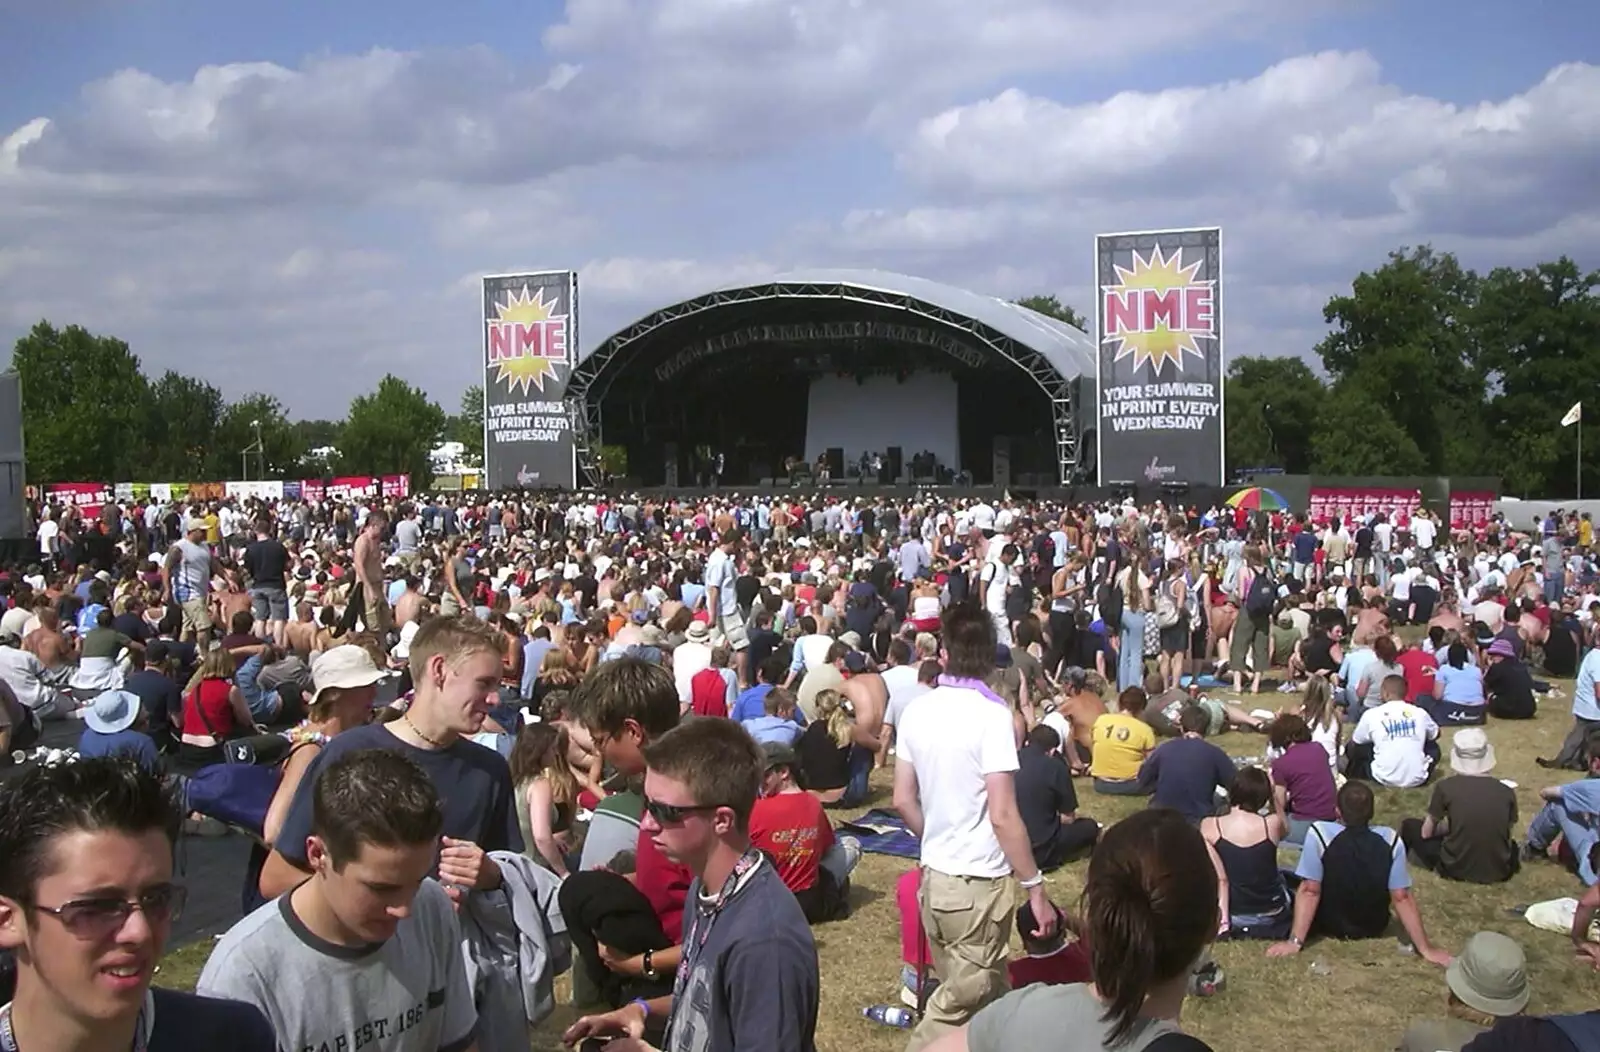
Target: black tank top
[{"x": 1254, "y": 884}]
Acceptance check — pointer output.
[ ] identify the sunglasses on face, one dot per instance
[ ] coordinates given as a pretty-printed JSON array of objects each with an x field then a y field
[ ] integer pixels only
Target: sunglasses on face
[
  {"x": 98, "y": 918},
  {"x": 673, "y": 814}
]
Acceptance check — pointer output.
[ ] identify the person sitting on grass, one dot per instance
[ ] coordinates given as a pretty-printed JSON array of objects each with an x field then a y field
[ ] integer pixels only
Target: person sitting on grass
[
  {"x": 1243, "y": 844},
  {"x": 1467, "y": 833},
  {"x": 1055, "y": 961},
  {"x": 1569, "y": 813},
  {"x": 1121, "y": 742},
  {"x": 1488, "y": 982},
  {"x": 779, "y": 724},
  {"x": 1350, "y": 874},
  {"x": 1303, "y": 785},
  {"x": 1396, "y": 743},
  {"x": 1185, "y": 773},
  {"x": 1049, "y": 803},
  {"x": 790, "y": 825}
]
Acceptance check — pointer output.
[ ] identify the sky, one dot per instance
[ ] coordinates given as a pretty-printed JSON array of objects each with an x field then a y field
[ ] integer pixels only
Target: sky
[{"x": 298, "y": 197}]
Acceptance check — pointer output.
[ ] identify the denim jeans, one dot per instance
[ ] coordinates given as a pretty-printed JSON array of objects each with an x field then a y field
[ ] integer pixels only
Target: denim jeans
[
  {"x": 855, "y": 790},
  {"x": 1576, "y": 817}
]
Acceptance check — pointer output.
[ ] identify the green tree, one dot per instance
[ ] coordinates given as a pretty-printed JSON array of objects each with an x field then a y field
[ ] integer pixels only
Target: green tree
[
  {"x": 1273, "y": 408},
  {"x": 392, "y": 431},
  {"x": 1355, "y": 435},
  {"x": 182, "y": 429},
  {"x": 85, "y": 405},
  {"x": 1538, "y": 339},
  {"x": 252, "y": 418},
  {"x": 467, "y": 426},
  {"x": 1404, "y": 338},
  {"x": 1052, "y": 307}
]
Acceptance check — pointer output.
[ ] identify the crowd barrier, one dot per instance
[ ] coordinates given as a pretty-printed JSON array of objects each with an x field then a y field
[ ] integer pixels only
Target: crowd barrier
[{"x": 90, "y": 497}]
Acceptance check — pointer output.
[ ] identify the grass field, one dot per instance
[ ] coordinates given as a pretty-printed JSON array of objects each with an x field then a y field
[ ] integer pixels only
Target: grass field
[{"x": 1370, "y": 992}]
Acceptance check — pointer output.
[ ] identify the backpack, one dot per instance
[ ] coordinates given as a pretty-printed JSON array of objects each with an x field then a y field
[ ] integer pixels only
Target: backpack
[
  {"x": 1355, "y": 884},
  {"x": 1262, "y": 596},
  {"x": 1166, "y": 612},
  {"x": 1108, "y": 599}
]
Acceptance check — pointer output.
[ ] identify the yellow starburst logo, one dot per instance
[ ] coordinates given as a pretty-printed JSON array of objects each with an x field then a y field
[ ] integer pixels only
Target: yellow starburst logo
[
  {"x": 527, "y": 340},
  {"x": 1158, "y": 310}
]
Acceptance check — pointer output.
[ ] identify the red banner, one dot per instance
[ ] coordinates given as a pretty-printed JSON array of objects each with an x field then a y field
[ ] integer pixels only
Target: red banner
[
  {"x": 1348, "y": 502},
  {"x": 312, "y": 490},
  {"x": 349, "y": 487},
  {"x": 87, "y": 497},
  {"x": 1468, "y": 510},
  {"x": 397, "y": 487}
]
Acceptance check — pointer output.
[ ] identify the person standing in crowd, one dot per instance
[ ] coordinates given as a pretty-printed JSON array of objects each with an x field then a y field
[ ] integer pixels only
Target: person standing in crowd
[
  {"x": 455, "y": 665},
  {"x": 186, "y": 575},
  {"x": 955, "y": 786},
  {"x": 749, "y": 977},
  {"x": 1149, "y": 912},
  {"x": 87, "y": 903},
  {"x": 266, "y": 561},
  {"x": 368, "y": 949}
]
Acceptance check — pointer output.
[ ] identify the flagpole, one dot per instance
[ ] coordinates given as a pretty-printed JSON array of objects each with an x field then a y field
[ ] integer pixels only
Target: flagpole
[{"x": 1580, "y": 450}]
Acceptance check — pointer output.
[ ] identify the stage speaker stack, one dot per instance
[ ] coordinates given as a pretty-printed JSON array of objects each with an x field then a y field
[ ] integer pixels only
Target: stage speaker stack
[
  {"x": 13, "y": 498},
  {"x": 836, "y": 463},
  {"x": 897, "y": 463},
  {"x": 1002, "y": 461},
  {"x": 669, "y": 451}
]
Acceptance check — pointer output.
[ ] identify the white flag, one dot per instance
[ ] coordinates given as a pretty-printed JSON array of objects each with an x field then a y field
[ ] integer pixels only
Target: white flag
[{"x": 1573, "y": 415}]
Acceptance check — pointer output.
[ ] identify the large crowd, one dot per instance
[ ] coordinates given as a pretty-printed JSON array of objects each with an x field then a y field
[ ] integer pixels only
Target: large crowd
[{"x": 477, "y": 742}]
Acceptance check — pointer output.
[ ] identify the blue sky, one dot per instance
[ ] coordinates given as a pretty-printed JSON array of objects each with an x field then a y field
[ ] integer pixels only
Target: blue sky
[{"x": 296, "y": 197}]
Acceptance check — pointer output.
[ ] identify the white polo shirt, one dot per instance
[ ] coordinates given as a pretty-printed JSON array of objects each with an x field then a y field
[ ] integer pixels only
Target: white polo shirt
[{"x": 953, "y": 737}]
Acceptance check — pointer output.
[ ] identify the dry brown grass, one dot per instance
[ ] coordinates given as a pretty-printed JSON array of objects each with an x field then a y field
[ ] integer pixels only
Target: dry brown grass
[{"x": 1372, "y": 992}]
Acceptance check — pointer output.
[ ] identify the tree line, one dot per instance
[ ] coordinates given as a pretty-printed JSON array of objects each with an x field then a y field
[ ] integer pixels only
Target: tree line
[
  {"x": 90, "y": 413},
  {"x": 1428, "y": 368}
]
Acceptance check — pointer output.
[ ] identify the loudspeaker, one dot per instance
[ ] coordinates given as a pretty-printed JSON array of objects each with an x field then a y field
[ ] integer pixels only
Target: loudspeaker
[
  {"x": 896, "y": 463},
  {"x": 13, "y": 497},
  {"x": 669, "y": 452},
  {"x": 1002, "y": 460},
  {"x": 836, "y": 463}
]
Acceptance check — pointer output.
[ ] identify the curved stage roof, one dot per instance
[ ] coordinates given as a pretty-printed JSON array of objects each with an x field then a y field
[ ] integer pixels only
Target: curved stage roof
[{"x": 1070, "y": 351}]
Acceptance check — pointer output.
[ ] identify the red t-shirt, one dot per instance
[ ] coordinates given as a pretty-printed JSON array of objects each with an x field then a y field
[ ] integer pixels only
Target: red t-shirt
[
  {"x": 795, "y": 831},
  {"x": 664, "y": 882},
  {"x": 1419, "y": 668},
  {"x": 708, "y": 693},
  {"x": 213, "y": 697},
  {"x": 1070, "y": 964}
]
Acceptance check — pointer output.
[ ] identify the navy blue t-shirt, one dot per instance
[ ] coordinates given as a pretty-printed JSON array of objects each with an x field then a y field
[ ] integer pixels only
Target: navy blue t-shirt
[
  {"x": 191, "y": 1023},
  {"x": 1305, "y": 546},
  {"x": 474, "y": 785},
  {"x": 1186, "y": 773},
  {"x": 158, "y": 695}
]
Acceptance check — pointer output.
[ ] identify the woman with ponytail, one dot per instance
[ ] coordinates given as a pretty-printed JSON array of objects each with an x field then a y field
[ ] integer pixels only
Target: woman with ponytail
[{"x": 1149, "y": 911}]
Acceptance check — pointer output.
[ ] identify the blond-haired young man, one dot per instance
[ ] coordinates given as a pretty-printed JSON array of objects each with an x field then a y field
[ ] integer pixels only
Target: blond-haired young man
[{"x": 455, "y": 666}]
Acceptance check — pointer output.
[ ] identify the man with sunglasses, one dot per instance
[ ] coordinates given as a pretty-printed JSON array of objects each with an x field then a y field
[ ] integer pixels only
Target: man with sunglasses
[
  {"x": 748, "y": 977},
  {"x": 86, "y": 906}
]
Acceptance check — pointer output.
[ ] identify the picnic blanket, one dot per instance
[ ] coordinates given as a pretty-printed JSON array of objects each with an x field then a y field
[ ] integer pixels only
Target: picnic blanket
[
  {"x": 1207, "y": 682},
  {"x": 883, "y": 832}
]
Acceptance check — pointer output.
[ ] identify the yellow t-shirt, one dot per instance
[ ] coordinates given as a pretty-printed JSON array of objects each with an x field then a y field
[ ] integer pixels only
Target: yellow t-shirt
[
  {"x": 213, "y": 528},
  {"x": 1121, "y": 743},
  {"x": 1585, "y": 532}
]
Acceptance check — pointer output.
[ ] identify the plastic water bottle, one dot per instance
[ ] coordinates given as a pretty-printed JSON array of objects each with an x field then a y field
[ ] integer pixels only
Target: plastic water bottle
[{"x": 891, "y": 1015}]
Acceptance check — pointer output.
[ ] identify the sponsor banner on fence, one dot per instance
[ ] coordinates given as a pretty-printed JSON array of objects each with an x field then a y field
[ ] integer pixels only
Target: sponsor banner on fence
[
  {"x": 346, "y": 487},
  {"x": 292, "y": 490},
  {"x": 396, "y": 487},
  {"x": 530, "y": 338},
  {"x": 87, "y": 497},
  {"x": 313, "y": 490},
  {"x": 261, "y": 489},
  {"x": 1335, "y": 502},
  {"x": 1468, "y": 510},
  {"x": 1160, "y": 361}
]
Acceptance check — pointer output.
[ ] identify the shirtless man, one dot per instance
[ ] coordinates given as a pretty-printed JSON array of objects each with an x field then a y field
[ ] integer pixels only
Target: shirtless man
[
  {"x": 869, "y": 697},
  {"x": 49, "y": 644},
  {"x": 410, "y": 604},
  {"x": 1446, "y": 615},
  {"x": 1223, "y": 618},
  {"x": 1081, "y": 704},
  {"x": 1372, "y": 622},
  {"x": 375, "y": 613},
  {"x": 302, "y": 632},
  {"x": 230, "y": 600}
]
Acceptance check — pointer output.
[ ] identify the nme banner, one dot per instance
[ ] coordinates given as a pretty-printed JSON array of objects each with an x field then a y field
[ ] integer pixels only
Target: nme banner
[
  {"x": 530, "y": 330},
  {"x": 1335, "y": 502},
  {"x": 1160, "y": 365},
  {"x": 87, "y": 497}
]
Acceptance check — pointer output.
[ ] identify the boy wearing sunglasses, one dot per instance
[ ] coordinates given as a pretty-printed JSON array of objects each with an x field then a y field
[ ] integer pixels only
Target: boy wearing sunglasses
[
  {"x": 748, "y": 975},
  {"x": 367, "y": 951},
  {"x": 86, "y": 906}
]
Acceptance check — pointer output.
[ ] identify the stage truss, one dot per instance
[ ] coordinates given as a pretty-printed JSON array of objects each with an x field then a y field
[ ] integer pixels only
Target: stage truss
[{"x": 593, "y": 377}]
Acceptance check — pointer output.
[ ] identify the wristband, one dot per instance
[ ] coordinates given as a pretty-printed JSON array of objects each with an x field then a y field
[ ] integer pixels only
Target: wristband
[
  {"x": 644, "y": 1006},
  {"x": 1032, "y": 882}
]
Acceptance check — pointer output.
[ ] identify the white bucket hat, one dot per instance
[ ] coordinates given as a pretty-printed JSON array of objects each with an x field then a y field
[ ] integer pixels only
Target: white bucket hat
[
  {"x": 343, "y": 668},
  {"x": 1470, "y": 752}
]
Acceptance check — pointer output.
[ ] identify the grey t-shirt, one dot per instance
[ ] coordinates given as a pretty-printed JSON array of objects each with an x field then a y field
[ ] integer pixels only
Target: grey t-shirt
[
  {"x": 1062, "y": 1018},
  {"x": 754, "y": 982},
  {"x": 407, "y": 994},
  {"x": 191, "y": 578},
  {"x": 407, "y": 535}
]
